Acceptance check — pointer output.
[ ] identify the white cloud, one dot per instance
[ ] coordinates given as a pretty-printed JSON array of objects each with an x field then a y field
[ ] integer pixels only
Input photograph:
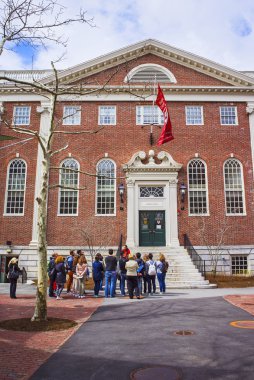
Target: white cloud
[{"x": 218, "y": 30}]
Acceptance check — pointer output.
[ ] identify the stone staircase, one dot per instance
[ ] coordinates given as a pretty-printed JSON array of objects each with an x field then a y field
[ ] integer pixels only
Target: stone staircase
[{"x": 182, "y": 273}]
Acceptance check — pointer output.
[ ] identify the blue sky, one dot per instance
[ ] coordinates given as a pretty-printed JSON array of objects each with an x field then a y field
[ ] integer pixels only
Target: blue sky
[{"x": 220, "y": 30}]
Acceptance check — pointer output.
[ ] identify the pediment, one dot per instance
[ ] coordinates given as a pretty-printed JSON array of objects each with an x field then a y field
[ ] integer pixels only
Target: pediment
[
  {"x": 141, "y": 162},
  {"x": 202, "y": 65}
]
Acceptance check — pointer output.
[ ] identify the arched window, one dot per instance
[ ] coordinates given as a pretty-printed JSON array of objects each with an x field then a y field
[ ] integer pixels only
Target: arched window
[
  {"x": 197, "y": 188},
  {"x": 106, "y": 188},
  {"x": 69, "y": 179},
  {"x": 16, "y": 185},
  {"x": 233, "y": 186},
  {"x": 148, "y": 72}
]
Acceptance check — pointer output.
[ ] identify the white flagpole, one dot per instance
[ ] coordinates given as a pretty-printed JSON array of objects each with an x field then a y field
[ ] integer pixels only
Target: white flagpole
[{"x": 154, "y": 95}]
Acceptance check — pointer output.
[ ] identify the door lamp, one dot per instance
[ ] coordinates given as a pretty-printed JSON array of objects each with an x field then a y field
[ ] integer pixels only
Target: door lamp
[
  {"x": 182, "y": 190},
  {"x": 121, "y": 193}
]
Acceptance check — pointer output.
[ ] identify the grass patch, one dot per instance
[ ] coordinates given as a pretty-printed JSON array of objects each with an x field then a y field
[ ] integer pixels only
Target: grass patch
[
  {"x": 25, "y": 324},
  {"x": 224, "y": 281}
]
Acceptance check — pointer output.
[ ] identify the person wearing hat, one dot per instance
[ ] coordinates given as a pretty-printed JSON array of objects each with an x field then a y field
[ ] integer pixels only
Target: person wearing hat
[
  {"x": 13, "y": 275},
  {"x": 132, "y": 277}
]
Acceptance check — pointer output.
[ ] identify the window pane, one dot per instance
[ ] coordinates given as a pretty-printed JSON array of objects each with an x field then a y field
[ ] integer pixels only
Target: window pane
[
  {"x": 233, "y": 187},
  {"x": 228, "y": 115},
  {"x": 107, "y": 115},
  {"x": 105, "y": 188},
  {"x": 21, "y": 116},
  {"x": 197, "y": 187},
  {"x": 194, "y": 115},
  {"x": 16, "y": 187},
  {"x": 149, "y": 115},
  {"x": 68, "y": 198},
  {"x": 71, "y": 115},
  {"x": 239, "y": 264}
]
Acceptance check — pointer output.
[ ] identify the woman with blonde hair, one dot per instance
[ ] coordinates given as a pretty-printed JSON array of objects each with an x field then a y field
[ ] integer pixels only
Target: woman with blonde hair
[
  {"x": 81, "y": 271},
  {"x": 60, "y": 276},
  {"x": 132, "y": 277},
  {"x": 162, "y": 267},
  {"x": 13, "y": 275}
]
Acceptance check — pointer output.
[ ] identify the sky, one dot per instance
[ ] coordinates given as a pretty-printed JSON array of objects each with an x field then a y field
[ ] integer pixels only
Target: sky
[{"x": 219, "y": 30}]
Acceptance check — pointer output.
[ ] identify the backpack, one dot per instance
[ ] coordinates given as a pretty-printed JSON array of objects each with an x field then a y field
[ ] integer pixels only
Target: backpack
[
  {"x": 164, "y": 267},
  {"x": 13, "y": 274},
  {"x": 69, "y": 263},
  {"x": 141, "y": 267},
  {"x": 152, "y": 269}
]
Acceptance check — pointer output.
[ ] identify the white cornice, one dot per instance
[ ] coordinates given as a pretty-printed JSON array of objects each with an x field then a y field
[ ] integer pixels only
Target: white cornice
[{"x": 200, "y": 64}]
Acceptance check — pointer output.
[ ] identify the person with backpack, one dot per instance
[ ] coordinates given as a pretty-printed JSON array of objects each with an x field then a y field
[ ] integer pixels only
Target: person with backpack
[
  {"x": 52, "y": 274},
  {"x": 69, "y": 268},
  {"x": 13, "y": 275},
  {"x": 162, "y": 268},
  {"x": 145, "y": 275},
  {"x": 60, "y": 276},
  {"x": 151, "y": 274},
  {"x": 140, "y": 271}
]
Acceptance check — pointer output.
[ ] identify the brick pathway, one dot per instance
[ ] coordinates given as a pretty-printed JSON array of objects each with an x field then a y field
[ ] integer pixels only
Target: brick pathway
[
  {"x": 245, "y": 302},
  {"x": 22, "y": 353}
]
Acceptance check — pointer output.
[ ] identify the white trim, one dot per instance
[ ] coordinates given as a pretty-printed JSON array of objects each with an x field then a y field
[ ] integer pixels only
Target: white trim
[
  {"x": 206, "y": 189},
  {"x": 59, "y": 191},
  {"x": 243, "y": 188},
  {"x": 96, "y": 186},
  {"x": 65, "y": 117},
  {"x": 157, "y": 67},
  {"x": 6, "y": 187}
]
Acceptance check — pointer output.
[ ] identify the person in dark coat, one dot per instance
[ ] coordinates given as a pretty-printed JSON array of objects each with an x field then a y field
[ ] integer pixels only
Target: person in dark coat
[
  {"x": 13, "y": 275},
  {"x": 52, "y": 274},
  {"x": 97, "y": 274},
  {"x": 60, "y": 276}
]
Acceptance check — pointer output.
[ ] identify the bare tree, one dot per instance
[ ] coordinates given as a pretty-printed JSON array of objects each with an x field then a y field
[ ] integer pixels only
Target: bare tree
[
  {"x": 216, "y": 250},
  {"x": 34, "y": 23}
]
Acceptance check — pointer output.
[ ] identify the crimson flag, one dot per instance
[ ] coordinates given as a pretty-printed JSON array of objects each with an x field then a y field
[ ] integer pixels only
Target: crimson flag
[{"x": 166, "y": 133}]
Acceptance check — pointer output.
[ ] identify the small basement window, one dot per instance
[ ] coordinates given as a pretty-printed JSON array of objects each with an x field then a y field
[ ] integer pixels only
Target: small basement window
[{"x": 239, "y": 264}]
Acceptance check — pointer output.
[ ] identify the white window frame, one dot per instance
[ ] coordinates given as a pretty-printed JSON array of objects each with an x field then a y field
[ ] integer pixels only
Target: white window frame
[
  {"x": 102, "y": 117},
  {"x": 15, "y": 108},
  {"x": 236, "y": 115},
  {"x": 140, "y": 115},
  {"x": 198, "y": 189},
  {"x": 63, "y": 190},
  {"x": 7, "y": 189},
  {"x": 238, "y": 257},
  {"x": 114, "y": 188},
  {"x": 232, "y": 189},
  {"x": 73, "y": 117},
  {"x": 188, "y": 122}
]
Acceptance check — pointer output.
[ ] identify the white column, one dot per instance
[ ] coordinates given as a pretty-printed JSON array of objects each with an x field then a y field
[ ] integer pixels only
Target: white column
[
  {"x": 174, "y": 240},
  {"x": 130, "y": 240},
  {"x": 44, "y": 110},
  {"x": 250, "y": 112}
]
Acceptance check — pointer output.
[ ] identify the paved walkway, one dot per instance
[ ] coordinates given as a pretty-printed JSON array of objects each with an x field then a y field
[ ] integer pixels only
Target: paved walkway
[{"x": 124, "y": 335}]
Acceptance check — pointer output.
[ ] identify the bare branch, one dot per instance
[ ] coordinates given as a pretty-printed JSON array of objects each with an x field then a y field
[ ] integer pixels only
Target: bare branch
[
  {"x": 59, "y": 150},
  {"x": 83, "y": 172},
  {"x": 80, "y": 132},
  {"x": 66, "y": 187}
]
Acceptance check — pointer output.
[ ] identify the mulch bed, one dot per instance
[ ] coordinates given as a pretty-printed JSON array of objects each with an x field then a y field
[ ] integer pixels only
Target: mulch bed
[
  {"x": 223, "y": 281},
  {"x": 23, "y": 352},
  {"x": 25, "y": 324}
]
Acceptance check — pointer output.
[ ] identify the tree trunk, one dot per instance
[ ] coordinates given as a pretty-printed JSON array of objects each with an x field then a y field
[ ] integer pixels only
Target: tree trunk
[{"x": 40, "y": 312}]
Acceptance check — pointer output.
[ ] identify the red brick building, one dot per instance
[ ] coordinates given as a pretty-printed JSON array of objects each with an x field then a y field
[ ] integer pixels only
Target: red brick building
[{"x": 211, "y": 110}]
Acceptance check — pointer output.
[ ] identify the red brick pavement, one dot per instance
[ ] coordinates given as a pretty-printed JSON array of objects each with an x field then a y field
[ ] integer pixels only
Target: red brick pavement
[
  {"x": 245, "y": 302},
  {"x": 21, "y": 353}
]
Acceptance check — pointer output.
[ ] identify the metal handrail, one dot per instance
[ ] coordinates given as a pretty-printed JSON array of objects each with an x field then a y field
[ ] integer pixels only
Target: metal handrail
[{"x": 196, "y": 259}]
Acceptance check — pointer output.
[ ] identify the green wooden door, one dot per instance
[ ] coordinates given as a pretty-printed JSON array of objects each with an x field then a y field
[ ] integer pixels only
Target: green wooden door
[{"x": 152, "y": 228}]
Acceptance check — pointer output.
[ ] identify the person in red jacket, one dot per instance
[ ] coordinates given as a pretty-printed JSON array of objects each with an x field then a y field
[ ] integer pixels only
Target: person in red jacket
[{"x": 125, "y": 252}]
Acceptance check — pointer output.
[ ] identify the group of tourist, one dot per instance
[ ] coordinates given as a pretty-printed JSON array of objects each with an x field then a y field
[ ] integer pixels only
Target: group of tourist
[{"x": 139, "y": 273}]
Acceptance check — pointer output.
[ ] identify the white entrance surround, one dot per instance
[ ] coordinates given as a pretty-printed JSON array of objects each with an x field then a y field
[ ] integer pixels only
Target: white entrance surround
[{"x": 162, "y": 171}]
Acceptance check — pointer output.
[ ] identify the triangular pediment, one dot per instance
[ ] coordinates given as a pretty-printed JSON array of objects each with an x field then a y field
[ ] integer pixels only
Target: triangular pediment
[{"x": 226, "y": 75}]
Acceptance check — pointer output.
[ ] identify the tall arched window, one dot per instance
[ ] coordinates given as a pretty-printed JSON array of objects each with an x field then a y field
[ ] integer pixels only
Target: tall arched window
[
  {"x": 197, "y": 187},
  {"x": 16, "y": 185},
  {"x": 233, "y": 186},
  {"x": 106, "y": 188},
  {"x": 68, "y": 198}
]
